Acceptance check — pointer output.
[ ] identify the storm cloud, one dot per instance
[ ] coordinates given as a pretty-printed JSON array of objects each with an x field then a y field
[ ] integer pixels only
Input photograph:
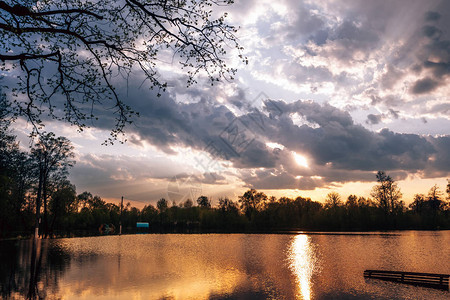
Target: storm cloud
[{"x": 329, "y": 137}]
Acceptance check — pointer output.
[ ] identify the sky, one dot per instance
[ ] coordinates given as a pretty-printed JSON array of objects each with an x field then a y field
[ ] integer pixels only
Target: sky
[{"x": 333, "y": 92}]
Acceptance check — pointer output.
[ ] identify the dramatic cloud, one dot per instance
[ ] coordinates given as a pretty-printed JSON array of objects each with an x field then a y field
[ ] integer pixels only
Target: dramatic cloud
[
  {"x": 336, "y": 148},
  {"x": 425, "y": 85},
  {"x": 357, "y": 53}
]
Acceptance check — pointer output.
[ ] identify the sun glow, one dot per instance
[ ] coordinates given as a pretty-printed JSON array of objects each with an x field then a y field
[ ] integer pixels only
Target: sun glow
[{"x": 300, "y": 160}]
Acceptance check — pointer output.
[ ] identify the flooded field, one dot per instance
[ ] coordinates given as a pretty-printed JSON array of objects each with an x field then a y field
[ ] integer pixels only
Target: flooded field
[{"x": 223, "y": 266}]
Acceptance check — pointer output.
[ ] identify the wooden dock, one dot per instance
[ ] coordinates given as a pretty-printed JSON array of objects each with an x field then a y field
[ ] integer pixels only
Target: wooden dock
[{"x": 437, "y": 281}]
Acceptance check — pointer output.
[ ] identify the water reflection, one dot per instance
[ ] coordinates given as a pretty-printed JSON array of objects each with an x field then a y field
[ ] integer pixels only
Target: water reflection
[
  {"x": 35, "y": 267},
  {"x": 303, "y": 264},
  {"x": 176, "y": 266},
  {"x": 219, "y": 266}
]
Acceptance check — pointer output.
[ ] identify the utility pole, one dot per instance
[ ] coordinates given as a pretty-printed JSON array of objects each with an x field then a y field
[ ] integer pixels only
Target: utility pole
[{"x": 120, "y": 221}]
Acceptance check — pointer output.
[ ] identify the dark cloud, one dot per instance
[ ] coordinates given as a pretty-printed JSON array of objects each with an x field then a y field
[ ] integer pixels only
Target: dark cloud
[
  {"x": 393, "y": 113},
  {"x": 432, "y": 16},
  {"x": 338, "y": 149},
  {"x": 440, "y": 161},
  {"x": 344, "y": 41},
  {"x": 213, "y": 178},
  {"x": 439, "y": 69},
  {"x": 354, "y": 36},
  {"x": 374, "y": 119},
  {"x": 431, "y": 31},
  {"x": 123, "y": 167},
  {"x": 348, "y": 146},
  {"x": 204, "y": 125},
  {"x": 424, "y": 86}
]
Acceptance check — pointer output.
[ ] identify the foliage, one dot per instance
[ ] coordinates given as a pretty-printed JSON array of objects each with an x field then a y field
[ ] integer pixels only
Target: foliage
[
  {"x": 63, "y": 203},
  {"x": 162, "y": 205},
  {"x": 227, "y": 205},
  {"x": 52, "y": 157},
  {"x": 387, "y": 193},
  {"x": 251, "y": 202},
  {"x": 62, "y": 57},
  {"x": 448, "y": 189},
  {"x": 204, "y": 202},
  {"x": 188, "y": 203},
  {"x": 333, "y": 200}
]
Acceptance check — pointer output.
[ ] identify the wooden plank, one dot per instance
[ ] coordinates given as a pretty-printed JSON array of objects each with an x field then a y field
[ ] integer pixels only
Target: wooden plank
[
  {"x": 408, "y": 277},
  {"x": 407, "y": 273},
  {"x": 405, "y": 277},
  {"x": 440, "y": 281}
]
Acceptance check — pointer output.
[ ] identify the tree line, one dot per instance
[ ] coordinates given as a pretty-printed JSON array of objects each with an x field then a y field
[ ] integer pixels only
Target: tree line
[
  {"x": 35, "y": 193},
  {"x": 255, "y": 211}
]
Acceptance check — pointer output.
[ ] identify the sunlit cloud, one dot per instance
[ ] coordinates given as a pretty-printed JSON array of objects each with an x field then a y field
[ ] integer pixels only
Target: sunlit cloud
[{"x": 300, "y": 160}]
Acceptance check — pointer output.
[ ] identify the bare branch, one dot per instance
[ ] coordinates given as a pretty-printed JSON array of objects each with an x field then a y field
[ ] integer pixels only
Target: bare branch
[{"x": 20, "y": 10}]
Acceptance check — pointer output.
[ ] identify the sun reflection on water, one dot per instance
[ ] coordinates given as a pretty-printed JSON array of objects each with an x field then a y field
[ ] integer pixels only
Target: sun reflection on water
[{"x": 303, "y": 264}]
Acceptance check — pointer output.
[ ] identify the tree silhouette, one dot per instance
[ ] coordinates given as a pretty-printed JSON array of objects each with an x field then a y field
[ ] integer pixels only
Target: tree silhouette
[
  {"x": 333, "y": 200},
  {"x": 16, "y": 179},
  {"x": 435, "y": 199},
  {"x": 149, "y": 213},
  {"x": 204, "y": 202},
  {"x": 62, "y": 203},
  {"x": 387, "y": 193},
  {"x": 188, "y": 203},
  {"x": 352, "y": 201},
  {"x": 227, "y": 205},
  {"x": 84, "y": 200},
  {"x": 52, "y": 155},
  {"x": 162, "y": 205},
  {"x": 251, "y": 202},
  {"x": 64, "y": 55},
  {"x": 418, "y": 203},
  {"x": 448, "y": 189}
]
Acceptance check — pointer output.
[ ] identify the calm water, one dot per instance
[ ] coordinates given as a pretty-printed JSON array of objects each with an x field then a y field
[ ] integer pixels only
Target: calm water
[{"x": 224, "y": 266}]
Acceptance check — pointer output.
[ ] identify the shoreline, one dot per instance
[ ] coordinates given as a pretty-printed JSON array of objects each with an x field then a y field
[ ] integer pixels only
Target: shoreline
[{"x": 393, "y": 232}]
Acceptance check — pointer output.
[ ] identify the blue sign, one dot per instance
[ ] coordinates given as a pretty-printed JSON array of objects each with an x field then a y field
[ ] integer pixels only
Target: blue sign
[{"x": 142, "y": 225}]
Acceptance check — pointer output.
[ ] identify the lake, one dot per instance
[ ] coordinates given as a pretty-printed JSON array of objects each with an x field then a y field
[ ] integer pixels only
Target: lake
[{"x": 224, "y": 266}]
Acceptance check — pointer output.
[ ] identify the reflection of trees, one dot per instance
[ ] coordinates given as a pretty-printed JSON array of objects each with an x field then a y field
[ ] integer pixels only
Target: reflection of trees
[
  {"x": 26, "y": 265},
  {"x": 11, "y": 277},
  {"x": 35, "y": 267},
  {"x": 185, "y": 266}
]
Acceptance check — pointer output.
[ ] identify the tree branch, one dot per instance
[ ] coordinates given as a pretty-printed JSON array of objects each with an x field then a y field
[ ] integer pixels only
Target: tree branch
[
  {"x": 25, "y": 56},
  {"x": 22, "y": 11}
]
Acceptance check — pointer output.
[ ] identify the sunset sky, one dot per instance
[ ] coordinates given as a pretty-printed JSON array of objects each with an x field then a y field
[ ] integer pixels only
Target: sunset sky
[{"x": 333, "y": 92}]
